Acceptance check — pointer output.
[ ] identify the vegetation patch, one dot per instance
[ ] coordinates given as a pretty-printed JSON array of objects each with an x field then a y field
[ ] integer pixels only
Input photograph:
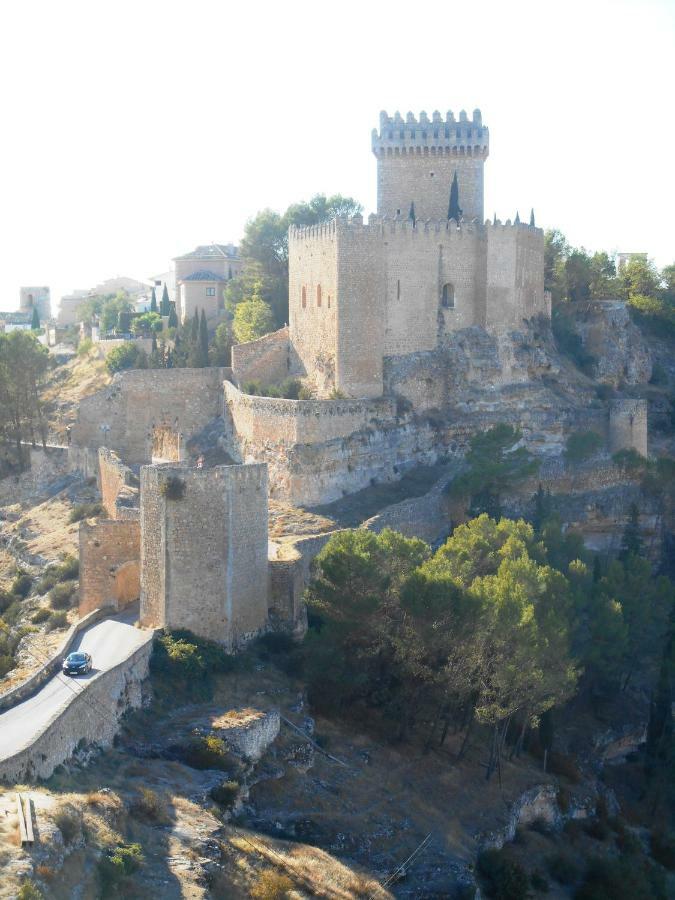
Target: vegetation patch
[
  {"x": 173, "y": 488},
  {"x": 86, "y": 511}
]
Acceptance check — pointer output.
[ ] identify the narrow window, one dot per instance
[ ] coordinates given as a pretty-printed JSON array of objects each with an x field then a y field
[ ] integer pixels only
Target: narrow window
[
  {"x": 210, "y": 292},
  {"x": 329, "y": 301},
  {"x": 304, "y": 297},
  {"x": 398, "y": 289},
  {"x": 448, "y": 296},
  {"x": 318, "y": 295}
]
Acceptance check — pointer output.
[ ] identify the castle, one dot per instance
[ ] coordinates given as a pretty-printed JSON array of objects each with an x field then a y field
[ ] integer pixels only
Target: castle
[{"x": 413, "y": 331}]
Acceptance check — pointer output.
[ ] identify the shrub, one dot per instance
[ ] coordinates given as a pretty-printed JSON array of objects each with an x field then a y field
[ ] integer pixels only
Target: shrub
[
  {"x": 68, "y": 569},
  {"x": 40, "y": 616},
  {"x": 173, "y": 488},
  {"x": 619, "y": 879},
  {"x": 6, "y": 664},
  {"x": 61, "y": 595},
  {"x": 659, "y": 374},
  {"x": 505, "y": 878},
  {"x": 275, "y": 642},
  {"x": 337, "y": 394},
  {"x": 181, "y": 654},
  {"x": 205, "y": 752},
  {"x": 663, "y": 849},
  {"x": 29, "y": 891},
  {"x": 126, "y": 356},
  {"x": 598, "y": 829},
  {"x": 582, "y": 445},
  {"x": 6, "y": 600},
  {"x": 22, "y": 584},
  {"x": 85, "y": 511},
  {"x": 67, "y": 821},
  {"x": 225, "y": 794},
  {"x": 563, "y": 868},
  {"x": 272, "y": 885},
  {"x": 149, "y": 807},
  {"x": 116, "y": 864},
  {"x": 57, "y": 620},
  {"x": 12, "y": 612},
  {"x": 85, "y": 346},
  {"x": 539, "y": 881},
  {"x": 630, "y": 461}
]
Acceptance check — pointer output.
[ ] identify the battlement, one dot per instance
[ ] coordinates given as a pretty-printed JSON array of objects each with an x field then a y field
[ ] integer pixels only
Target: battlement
[
  {"x": 463, "y": 137},
  {"x": 403, "y": 225}
]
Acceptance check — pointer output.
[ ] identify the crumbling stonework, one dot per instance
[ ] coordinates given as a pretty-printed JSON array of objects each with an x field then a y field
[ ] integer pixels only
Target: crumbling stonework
[
  {"x": 620, "y": 352},
  {"x": 118, "y": 486},
  {"x": 266, "y": 360},
  {"x": 168, "y": 444},
  {"x": 248, "y": 732},
  {"x": 628, "y": 426},
  {"x": 204, "y": 550},
  {"x": 109, "y": 564}
]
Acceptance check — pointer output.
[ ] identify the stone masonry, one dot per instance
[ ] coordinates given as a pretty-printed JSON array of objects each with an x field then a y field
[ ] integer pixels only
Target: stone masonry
[
  {"x": 204, "y": 550},
  {"x": 628, "y": 426}
]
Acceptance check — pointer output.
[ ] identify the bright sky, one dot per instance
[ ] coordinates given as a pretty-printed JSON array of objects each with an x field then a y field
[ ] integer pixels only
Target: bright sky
[{"x": 135, "y": 130}]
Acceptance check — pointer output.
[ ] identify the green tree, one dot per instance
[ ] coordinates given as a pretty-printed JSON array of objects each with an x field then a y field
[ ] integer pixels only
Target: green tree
[
  {"x": 111, "y": 309},
  {"x": 631, "y": 542},
  {"x": 35, "y": 320},
  {"x": 220, "y": 353},
  {"x": 253, "y": 318},
  {"x": 454, "y": 210},
  {"x": 126, "y": 356},
  {"x": 165, "y": 305},
  {"x": 556, "y": 251},
  {"x": 173, "y": 318},
  {"x": 153, "y": 302},
  {"x": 411, "y": 214},
  {"x": 582, "y": 445},
  {"x": 203, "y": 341},
  {"x": 146, "y": 324},
  {"x": 24, "y": 363}
]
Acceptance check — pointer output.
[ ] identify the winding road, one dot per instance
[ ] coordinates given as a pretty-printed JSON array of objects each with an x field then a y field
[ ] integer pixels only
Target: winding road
[{"x": 109, "y": 642}]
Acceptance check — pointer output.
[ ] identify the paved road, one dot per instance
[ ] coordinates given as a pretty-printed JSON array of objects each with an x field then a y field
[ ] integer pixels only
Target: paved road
[{"x": 108, "y": 642}]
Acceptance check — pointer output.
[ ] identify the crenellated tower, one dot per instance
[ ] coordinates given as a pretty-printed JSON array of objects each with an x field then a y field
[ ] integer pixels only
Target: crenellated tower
[{"x": 417, "y": 160}]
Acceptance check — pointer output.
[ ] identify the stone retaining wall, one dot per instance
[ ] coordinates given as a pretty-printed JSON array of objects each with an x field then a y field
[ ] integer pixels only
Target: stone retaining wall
[
  {"x": 266, "y": 360},
  {"x": 91, "y": 717}
]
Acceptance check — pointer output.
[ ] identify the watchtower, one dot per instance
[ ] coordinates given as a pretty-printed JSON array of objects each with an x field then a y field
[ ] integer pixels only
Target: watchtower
[
  {"x": 417, "y": 160},
  {"x": 628, "y": 426}
]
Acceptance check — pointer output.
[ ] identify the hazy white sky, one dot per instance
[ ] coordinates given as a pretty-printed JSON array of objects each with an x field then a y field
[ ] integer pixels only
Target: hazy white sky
[{"x": 134, "y": 131}]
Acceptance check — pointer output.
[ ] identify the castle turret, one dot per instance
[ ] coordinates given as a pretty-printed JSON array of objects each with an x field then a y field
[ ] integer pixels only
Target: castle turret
[{"x": 417, "y": 160}]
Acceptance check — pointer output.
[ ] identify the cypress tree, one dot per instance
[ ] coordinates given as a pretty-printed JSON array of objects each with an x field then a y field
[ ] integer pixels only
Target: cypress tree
[
  {"x": 203, "y": 340},
  {"x": 631, "y": 543},
  {"x": 165, "y": 304},
  {"x": 516, "y": 221},
  {"x": 454, "y": 211},
  {"x": 532, "y": 218},
  {"x": 194, "y": 330},
  {"x": 153, "y": 301},
  {"x": 411, "y": 214},
  {"x": 35, "y": 321},
  {"x": 173, "y": 318},
  {"x": 494, "y": 219}
]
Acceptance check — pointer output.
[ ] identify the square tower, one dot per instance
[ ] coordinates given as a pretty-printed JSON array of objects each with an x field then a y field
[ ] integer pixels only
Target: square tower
[{"x": 417, "y": 161}]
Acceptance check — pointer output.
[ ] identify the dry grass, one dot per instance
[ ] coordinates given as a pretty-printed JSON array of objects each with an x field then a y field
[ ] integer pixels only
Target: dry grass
[
  {"x": 271, "y": 885},
  {"x": 78, "y": 378}
]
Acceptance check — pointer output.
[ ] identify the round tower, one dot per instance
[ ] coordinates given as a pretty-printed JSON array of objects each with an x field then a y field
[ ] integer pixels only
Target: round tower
[
  {"x": 418, "y": 160},
  {"x": 628, "y": 426}
]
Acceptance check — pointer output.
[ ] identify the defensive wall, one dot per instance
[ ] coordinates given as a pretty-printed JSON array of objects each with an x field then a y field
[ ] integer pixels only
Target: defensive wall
[
  {"x": 118, "y": 486},
  {"x": 204, "y": 550},
  {"x": 123, "y": 415},
  {"x": 628, "y": 426},
  {"x": 91, "y": 716},
  {"x": 266, "y": 359},
  {"x": 109, "y": 564}
]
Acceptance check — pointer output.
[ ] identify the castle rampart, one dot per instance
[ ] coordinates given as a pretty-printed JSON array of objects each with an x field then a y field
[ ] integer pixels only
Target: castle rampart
[
  {"x": 628, "y": 426},
  {"x": 109, "y": 564},
  {"x": 204, "y": 550},
  {"x": 118, "y": 486},
  {"x": 266, "y": 360}
]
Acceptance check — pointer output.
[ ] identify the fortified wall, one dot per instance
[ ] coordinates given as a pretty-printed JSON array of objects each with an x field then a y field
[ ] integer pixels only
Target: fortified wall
[
  {"x": 204, "y": 550},
  {"x": 628, "y": 426}
]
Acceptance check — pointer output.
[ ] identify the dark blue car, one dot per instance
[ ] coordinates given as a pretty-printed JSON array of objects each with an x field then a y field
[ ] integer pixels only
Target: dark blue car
[{"x": 78, "y": 663}]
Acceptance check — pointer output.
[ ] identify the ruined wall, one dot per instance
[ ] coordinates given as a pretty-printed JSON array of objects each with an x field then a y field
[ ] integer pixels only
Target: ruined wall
[
  {"x": 122, "y": 415},
  {"x": 417, "y": 160},
  {"x": 312, "y": 302},
  {"x": 266, "y": 360},
  {"x": 628, "y": 426},
  {"x": 168, "y": 444},
  {"x": 204, "y": 550},
  {"x": 118, "y": 486},
  {"x": 109, "y": 564}
]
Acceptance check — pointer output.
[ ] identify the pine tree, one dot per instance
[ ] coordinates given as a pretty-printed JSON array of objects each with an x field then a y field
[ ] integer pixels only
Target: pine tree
[
  {"x": 153, "y": 301},
  {"x": 35, "y": 321},
  {"x": 516, "y": 221},
  {"x": 203, "y": 341},
  {"x": 631, "y": 543},
  {"x": 597, "y": 569},
  {"x": 165, "y": 304},
  {"x": 411, "y": 214},
  {"x": 532, "y": 218},
  {"x": 173, "y": 318},
  {"x": 454, "y": 211},
  {"x": 660, "y": 725}
]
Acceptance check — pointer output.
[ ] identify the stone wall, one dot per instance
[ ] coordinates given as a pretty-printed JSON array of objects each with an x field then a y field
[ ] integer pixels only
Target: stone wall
[
  {"x": 91, "y": 716},
  {"x": 104, "y": 347},
  {"x": 109, "y": 564},
  {"x": 628, "y": 426},
  {"x": 122, "y": 416},
  {"x": 118, "y": 486},
  {"x": 45, "y": 467},
  {"x": 168, "y": 444},
  {"x": 204, "y": 550},
  {"x": 266, "y": 360}
]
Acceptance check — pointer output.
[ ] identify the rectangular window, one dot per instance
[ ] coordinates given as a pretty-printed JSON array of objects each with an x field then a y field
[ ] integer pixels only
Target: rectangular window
[{"x": 210, "y": 292}]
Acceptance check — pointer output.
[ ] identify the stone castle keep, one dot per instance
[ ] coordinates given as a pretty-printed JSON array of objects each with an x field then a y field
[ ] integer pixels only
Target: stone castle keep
[{"x": 412, "y": 330}]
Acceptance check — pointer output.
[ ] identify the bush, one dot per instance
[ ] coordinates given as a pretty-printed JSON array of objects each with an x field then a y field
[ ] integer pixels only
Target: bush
[
  {"x": 539, "y": 882},
  {"x": 604, "y": 392},
  {"x": 85, "y": 511},
  {"x": 40, "y": 616},
  {"x": 582, "y": 445},
  {"x": 68, "y": 569},
  {"x": 118, "y": 863},
  {"x": 206, "y": 752},
  {"x": 61, "y": 595},
  {"x": 126, "y": 356},
  {"x": 663, "y": 849},
  {"x": 225, "y": 794},
  {"x": 67, "y": 821},
  {"x": 12, "y": 612},
  {"x": 149, "y": 807},
  {"x": 182, "y": 655},
  {"x": 29, "y": 891},
  {"x": 598, "y": 829},
  {"x": 505, "y": 878},
  {"x": 275, "y": 642},
  {"x": 659, "y": 374},
  {"x": 57, "y": 620},
  {"x": 173, "y": 488},
  {"x": 563, "y": 868},
  {"x": 630, "y": 461},
  {"x": 6, "y": 664},
  {"x": 618, "y": 879},
  {"x": 288, "y": 389},
  {"x": 22, "y": 584},
  {"x": 272, "y": 885}
]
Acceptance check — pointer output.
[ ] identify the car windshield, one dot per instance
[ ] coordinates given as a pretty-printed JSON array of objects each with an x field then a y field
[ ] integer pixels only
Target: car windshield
[{"x": 76, "y": 658}]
